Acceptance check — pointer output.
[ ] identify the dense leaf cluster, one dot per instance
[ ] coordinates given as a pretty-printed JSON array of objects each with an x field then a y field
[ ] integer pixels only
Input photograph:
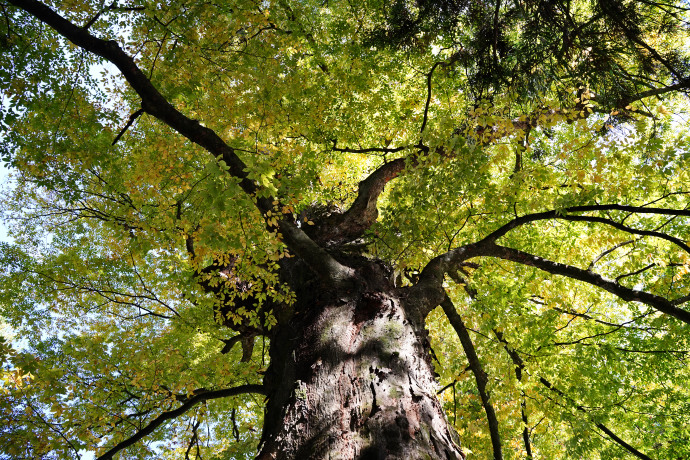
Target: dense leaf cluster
[
  {"x": 525, "y": 46},
  {"x": 182, "y": 172}
]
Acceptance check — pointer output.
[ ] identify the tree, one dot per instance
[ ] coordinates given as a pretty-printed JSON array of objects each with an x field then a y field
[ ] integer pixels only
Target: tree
[{"x": 432, "y": 229}]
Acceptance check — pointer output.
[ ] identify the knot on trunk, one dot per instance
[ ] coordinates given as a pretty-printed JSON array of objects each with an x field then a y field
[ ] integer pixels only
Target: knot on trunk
[{"x": 370, "y": 305}]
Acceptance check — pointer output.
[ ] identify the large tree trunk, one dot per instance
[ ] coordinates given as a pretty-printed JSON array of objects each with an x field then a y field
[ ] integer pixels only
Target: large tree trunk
[{"x": 352, "y": 378}]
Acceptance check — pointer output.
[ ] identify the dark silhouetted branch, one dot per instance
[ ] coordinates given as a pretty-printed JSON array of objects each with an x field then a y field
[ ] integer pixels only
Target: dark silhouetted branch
[
  {"x": 155, "y": 104},
  {"x": 478, "y": 371},
  {"x": 623, "y": 292},
  {"x": 564, "y": 215},
  {"x": 601, "y": 426},
  {"x": 169, "y": 415},
  {"x": 520, "y": 367},
  {"x": 430, "y": 285},
  {"x": 368, "y": 150},
  {"x": 112, "y": 7}
]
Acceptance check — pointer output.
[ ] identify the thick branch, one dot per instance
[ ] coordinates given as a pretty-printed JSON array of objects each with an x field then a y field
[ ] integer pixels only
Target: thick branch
[
  {"x": 342, "y": 228},
  {"x": 429, "y": 289},
  {"x": 595, "y": 219},
  {"x": 478, "y": 371},
  {"x": 625, "y": 293},
  {"x": 229, "y": 343},
  {"x": 363, "y": 212},
  {"x": 450, "y": 313},
  {"x": 155, "y": 104},
  {"x": 165, "y": 416},
  {"x": 563, "y": 214},
  {"x": 622, "y": 443}
]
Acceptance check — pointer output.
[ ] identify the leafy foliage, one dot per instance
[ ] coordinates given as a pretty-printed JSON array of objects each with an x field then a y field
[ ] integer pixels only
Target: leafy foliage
[{"x": 139, "y": 260}]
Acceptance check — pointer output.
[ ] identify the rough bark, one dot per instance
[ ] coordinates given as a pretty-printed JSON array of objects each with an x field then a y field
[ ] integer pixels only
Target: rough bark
[
  {"x": 341, "y": 228},
  {"x": 351, "y": 378}
]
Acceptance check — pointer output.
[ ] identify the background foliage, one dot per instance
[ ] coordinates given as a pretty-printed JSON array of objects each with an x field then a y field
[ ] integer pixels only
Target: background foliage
[{"x": 503, "y": 109}]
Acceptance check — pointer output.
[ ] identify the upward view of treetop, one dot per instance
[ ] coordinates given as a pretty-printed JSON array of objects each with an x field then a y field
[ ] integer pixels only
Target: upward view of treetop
[{"x": 296, "y": 229}]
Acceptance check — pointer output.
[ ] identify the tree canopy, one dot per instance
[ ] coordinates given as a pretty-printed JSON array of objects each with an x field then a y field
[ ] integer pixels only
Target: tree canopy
[{"x": 526, "y": 159}]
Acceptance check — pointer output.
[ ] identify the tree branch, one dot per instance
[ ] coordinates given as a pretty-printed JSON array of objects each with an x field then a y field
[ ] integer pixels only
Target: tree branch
[
  {"x": 613, "y": 13},
  {"x": 562, "y": 214},
  {"x": 657, "y": 92},
  {"x": 601, "y": 426},
  {"x": 112, "y": 7},
  {"x": 155, "y": 104},
  {"x": 363, "y": 212},
  {"x": 429, "y": 76},
  {"x": 625, "y": 293},
  {"x": 607, "y": 252},
  {"x": 520, "y": 367},
  {"x": 383, "y": 150},
  {"x": 165, "y": 416},
  {"x": 478, "y": 371},
  {"x": 429, "y": 288},
  {"x": 350, "y": 225},
  {"x": 490, "y": 134}
]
